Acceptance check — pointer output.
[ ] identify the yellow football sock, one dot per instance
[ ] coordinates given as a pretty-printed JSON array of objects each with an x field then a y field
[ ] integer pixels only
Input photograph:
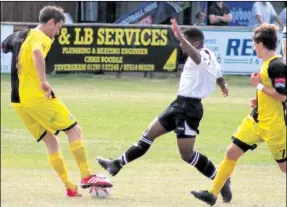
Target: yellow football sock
[
  {"x": 80, "y": 155},
  {"x": 58, "y": 163},
  {"x": 224, "y": 172}
]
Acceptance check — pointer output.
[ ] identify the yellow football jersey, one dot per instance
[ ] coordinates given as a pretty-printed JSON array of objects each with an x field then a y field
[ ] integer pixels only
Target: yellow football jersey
[
  {"x": 270, "y": 112},
  {"x": 30, "y": 91}
]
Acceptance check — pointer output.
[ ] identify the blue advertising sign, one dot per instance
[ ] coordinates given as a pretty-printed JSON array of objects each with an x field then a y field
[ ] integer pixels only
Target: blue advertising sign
[
  {"x": 241, "y": 12},
  {"x": 234, "y": 50},
  {"x": 152, "y": 12}
]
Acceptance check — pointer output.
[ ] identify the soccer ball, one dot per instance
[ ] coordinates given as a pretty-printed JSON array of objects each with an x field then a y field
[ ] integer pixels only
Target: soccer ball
[{"x": 100, "y": 192}]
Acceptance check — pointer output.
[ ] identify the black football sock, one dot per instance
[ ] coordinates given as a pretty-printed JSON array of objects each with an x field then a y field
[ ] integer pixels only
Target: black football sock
[
  {"x": 136, "y": 151},
  {"x": 203, "y": 165}
]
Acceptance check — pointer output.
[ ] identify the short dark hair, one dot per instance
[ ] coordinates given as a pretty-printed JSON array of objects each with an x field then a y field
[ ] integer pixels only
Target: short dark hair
[
  {"x": 267, "y": 34},
  {"x": 198, "y": 14},
  {"x": 51, "y": 12},
  {"x": 194, "y": 33}
]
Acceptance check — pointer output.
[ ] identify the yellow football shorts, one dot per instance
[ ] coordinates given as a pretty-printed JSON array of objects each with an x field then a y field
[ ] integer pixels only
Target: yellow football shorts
[
  {"x": 52, "y": 116},
  {"x": 252, "y": 135}
]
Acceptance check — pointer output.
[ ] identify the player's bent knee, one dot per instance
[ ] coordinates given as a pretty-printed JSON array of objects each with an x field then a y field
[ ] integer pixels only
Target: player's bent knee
[
  {"x": 155, "y": 130},
  {"x": 51, "y": 142},
  {"x": 234, "y": 152},
  {"x": 75, "y": 132},
  {"x": 282, "y": 166},
  {"x": 151, "y": 134},
  {"x": 186, "y": 156}
]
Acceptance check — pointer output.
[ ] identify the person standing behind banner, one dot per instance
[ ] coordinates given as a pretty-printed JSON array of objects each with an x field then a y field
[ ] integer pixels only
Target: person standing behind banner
[
  {"x": 219, "y": 14},
  {"x": 199, "y": 19},
  {"x": 282, "y": 16},
  {"x": 263, "y": 12}
]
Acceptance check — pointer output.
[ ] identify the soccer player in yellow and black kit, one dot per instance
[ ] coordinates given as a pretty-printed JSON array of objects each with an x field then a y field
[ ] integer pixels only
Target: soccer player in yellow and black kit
[
  {"x": 33, "y": 99},
  {"x": 266, "y": 122}
]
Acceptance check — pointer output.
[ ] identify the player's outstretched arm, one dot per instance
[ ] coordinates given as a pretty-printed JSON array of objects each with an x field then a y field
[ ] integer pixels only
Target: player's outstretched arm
[{"x": 191, "y": 51}]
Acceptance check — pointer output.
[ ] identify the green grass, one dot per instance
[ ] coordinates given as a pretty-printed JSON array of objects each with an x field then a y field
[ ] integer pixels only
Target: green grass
[{"x": 113, "y": 113}]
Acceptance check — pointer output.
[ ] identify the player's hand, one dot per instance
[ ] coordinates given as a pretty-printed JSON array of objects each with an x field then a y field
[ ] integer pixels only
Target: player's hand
[
  {"x": 225, "y": 91},
  {"x": 46, "y": 87},
  {"x": 255, "y": 78},
  {"x": 176, "y": 30},
  {"x": 253, "y": 103}
]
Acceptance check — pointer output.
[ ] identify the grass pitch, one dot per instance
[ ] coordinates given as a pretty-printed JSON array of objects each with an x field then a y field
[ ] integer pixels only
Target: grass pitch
[{"x": 113, "y": 113}]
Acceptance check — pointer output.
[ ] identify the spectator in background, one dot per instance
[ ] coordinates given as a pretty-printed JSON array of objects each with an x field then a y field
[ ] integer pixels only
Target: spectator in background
[
  {"x": 282, "y": 16},
  {"x": 219, "y": 14},
  {"x": 69, "y": 19},
  {"x": 199, "y": 19},
  {"x": 263, "y": 12}
]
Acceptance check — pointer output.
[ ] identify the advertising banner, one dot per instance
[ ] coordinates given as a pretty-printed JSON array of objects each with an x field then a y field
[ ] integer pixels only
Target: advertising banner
[
  {"x": 153, "y": 12},
  {"x": 146, "y": 49},
  {"x": 113, "y": 48},
  {"x": 241, "y": 12},
  {"x": 6, "y": 59},
  {"x": 234, "y": 50}
]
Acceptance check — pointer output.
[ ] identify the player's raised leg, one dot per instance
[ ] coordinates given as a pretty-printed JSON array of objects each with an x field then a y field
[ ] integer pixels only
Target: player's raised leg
[
  {"x": 79, "y": 153},
  {"x": 135, "y": 151},
  {"x": 57, "y": 162}
]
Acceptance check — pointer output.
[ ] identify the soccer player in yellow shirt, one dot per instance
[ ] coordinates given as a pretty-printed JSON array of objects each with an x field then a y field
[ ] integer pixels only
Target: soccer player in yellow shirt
[
  {"x": 266, "y": 122},
  {"x": 34, "y": 100}
]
